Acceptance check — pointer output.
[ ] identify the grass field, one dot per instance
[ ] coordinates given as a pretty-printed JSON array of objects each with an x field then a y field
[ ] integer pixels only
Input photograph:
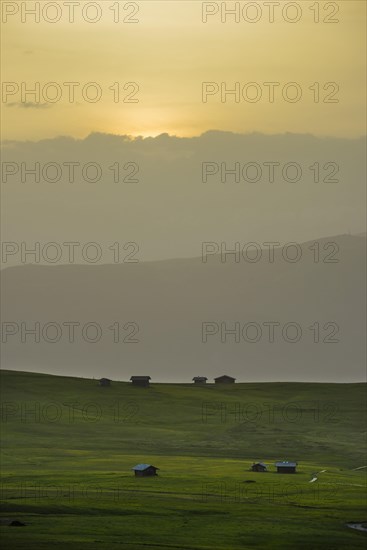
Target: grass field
[{"x": 69, "y": 446}]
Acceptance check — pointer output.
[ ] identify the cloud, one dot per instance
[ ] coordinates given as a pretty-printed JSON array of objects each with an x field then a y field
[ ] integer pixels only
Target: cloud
[
  {"x": 161, "y": 201},
  {"x": 29, "y": 105}
]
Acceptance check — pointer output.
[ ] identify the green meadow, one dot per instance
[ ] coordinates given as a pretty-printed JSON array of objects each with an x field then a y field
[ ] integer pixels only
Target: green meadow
[{"x": 68, "y": 447}]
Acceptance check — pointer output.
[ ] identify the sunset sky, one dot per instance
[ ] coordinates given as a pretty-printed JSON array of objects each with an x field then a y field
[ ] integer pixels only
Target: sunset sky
[
  {"x": 168, "y": 212},
  {"x": 169, "y": 53}
]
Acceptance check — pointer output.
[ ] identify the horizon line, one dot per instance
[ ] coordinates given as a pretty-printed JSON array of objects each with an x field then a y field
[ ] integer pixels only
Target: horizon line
[
  {"x": 7, "y": 370},
  {"x": 141, "y": 137}
]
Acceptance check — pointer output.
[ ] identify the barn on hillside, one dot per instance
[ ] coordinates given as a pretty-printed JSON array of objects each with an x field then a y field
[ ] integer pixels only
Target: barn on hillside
[
  {"x": 200, "y": 379},
  {"x": 286, "y": 467},
  {"x": 259, "y": 467},
  {"x": 104, "y": 382},
  {"x": 224, "y": 379},
  {"x": 143, "y": 470},
  {"x": 142, "y": 381}
]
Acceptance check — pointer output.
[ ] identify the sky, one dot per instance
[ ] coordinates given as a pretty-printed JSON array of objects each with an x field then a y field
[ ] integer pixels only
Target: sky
[
  {"x": 182, "y": 192},
  {"x": 168, "y": 53},
  {"x": 145, "y": 63},
  {"x": 169, "y": 90}
]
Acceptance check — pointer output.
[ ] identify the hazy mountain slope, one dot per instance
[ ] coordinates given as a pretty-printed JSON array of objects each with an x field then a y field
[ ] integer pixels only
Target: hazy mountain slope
[{"x": 170, "y": 300}]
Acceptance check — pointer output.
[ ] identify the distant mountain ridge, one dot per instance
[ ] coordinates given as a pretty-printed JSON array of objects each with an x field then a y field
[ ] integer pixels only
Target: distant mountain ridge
[{"x": 166, "y": 303}]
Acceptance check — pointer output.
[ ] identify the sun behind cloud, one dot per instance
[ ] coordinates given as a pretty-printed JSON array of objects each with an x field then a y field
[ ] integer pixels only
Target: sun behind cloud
[{"x": 161, "y": 65}]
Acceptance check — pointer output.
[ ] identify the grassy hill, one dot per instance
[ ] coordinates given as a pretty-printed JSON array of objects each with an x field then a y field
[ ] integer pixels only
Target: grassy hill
[{"x": 69, "y": 446}]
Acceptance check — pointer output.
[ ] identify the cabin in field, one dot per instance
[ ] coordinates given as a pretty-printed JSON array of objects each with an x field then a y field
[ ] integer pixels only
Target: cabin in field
[
  {"x": 224, "y": 379},
  {"x": 142, "y": 381},
  {"x": 104, "y": 382},
  {"x": 259, "y": 467},
  {"x": 200, "y": 379},
  {"x": 286, "y": 467},
  {"x": 143, "y": 470}
]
